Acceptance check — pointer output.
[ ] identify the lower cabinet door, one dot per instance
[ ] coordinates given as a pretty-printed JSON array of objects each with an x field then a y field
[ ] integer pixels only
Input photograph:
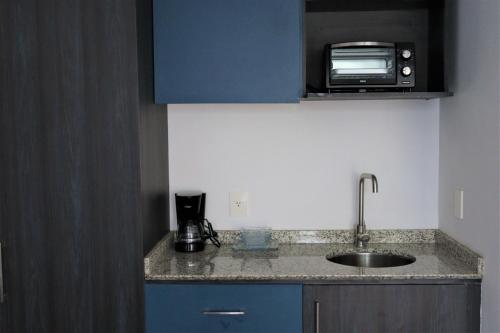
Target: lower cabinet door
[
  {"x": 392, "y": 308},
  {"x": 205, "y": 308}
]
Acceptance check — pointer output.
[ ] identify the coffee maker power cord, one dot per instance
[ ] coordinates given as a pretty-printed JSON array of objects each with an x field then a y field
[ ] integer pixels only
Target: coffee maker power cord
[{"x": 211, "y": 233}]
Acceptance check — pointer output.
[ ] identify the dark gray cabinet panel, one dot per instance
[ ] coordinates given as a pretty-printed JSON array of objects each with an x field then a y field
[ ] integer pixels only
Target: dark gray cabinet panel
[
  {"x": 153, "y": 138},
  {"x": 391, "y": 308}
]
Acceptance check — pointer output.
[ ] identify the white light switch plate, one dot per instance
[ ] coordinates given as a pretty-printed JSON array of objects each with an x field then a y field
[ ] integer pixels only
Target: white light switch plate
[
  {"x": 459, "y": 204},
  {"x": 238, "y": 204}
]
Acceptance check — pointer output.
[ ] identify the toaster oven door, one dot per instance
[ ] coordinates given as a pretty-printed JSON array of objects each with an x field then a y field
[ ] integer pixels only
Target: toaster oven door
[{"x": 363, "y": 65}]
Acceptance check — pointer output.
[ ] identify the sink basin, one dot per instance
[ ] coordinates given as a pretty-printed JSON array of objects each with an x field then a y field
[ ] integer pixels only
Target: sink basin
[{"x": 361, "y": 259}]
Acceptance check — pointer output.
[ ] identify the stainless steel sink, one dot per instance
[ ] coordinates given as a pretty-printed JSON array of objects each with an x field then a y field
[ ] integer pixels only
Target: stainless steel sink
[{"x": 362, "y": 259}]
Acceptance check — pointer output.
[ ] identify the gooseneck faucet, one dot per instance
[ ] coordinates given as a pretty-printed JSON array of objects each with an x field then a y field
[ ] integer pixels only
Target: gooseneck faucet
[{"x": 362, "y": 237}]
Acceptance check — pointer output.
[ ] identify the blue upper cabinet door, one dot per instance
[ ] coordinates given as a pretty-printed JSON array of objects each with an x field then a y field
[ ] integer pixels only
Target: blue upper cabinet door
[{"x": 228, "y": 51}]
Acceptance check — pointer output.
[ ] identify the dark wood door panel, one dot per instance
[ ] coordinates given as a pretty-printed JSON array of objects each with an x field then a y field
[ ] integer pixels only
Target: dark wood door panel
[{"x": 70, "y": 214}]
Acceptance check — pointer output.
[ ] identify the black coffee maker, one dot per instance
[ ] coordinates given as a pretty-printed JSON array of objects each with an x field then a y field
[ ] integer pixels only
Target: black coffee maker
[{"x": 193, "y": 229}]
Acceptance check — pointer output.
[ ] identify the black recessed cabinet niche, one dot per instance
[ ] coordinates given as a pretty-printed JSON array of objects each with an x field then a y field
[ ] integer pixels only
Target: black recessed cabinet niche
[{"x": 423, "y": 22}]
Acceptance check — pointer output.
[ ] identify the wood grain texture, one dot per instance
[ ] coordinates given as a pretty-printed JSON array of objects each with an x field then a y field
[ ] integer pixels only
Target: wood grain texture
[
  {"x": 393, "y": 308},
  {"x": 23, "y": 208},
  {"x": 70, "y": 178}
]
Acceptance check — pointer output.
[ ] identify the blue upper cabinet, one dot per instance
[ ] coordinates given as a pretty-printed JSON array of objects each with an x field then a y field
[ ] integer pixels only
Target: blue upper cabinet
[{"x": 228, "y": 51}]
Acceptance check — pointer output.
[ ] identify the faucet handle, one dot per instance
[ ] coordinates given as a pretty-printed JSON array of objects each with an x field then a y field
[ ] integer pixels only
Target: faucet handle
[{"x": 362, "y": 239}]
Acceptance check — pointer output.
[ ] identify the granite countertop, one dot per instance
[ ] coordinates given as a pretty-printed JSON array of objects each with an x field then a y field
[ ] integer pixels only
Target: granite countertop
[{"x": 301, "y": 257}]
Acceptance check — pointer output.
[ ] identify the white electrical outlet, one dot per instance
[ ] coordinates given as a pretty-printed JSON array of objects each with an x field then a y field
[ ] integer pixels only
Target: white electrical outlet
[
  {"x": 459, "y": 204},
  {"x": 238, "y": 204}
]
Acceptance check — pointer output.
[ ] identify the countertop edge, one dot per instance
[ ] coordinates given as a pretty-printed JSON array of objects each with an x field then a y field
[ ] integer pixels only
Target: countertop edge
[
  {"x": 301, "y": 279},
  {"x": 443, "y": 241}
]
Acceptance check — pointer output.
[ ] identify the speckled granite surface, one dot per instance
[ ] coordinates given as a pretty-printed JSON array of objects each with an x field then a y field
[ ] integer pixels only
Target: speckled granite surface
[
  {"x": 302, "y": 256},
  {"x": 339, "y": 236}
]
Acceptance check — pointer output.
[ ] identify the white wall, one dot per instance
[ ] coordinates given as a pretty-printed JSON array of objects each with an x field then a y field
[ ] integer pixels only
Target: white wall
[
  {"x": 301, "y": 162},
  {"x": 469, "y": 144}
]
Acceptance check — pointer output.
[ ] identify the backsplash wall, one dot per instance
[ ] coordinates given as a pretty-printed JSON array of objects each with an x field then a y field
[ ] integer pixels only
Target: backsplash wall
[{"x": 300, "y": 163}]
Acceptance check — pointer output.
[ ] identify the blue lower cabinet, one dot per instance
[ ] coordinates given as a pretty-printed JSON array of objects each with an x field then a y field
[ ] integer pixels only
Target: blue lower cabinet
[{"x": 211, "y": 308}]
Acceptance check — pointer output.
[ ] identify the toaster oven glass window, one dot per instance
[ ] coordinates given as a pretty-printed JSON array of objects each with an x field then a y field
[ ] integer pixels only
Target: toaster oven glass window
[{"x": 362, "y": 62}]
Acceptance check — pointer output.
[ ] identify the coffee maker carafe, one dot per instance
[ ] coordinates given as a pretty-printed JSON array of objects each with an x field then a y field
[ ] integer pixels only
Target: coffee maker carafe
[{"x": 192, "y": 226}]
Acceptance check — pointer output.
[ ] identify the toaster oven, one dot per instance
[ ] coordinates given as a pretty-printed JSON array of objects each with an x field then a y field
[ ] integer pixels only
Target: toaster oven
[{"x": 370, "y": 65}]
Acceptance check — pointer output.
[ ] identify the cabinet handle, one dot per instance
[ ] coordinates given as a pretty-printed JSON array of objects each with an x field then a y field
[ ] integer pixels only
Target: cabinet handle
[
  {"x": 223, "y": 313},
  {"x": 1, "y": 276},
  {"x": 316, "y": 315}
]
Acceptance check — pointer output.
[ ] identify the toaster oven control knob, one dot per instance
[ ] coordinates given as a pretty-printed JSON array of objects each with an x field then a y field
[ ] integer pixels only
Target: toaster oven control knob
[
  {"x": 406, "y": 54},
  {"x": 406, "y": 71}
]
